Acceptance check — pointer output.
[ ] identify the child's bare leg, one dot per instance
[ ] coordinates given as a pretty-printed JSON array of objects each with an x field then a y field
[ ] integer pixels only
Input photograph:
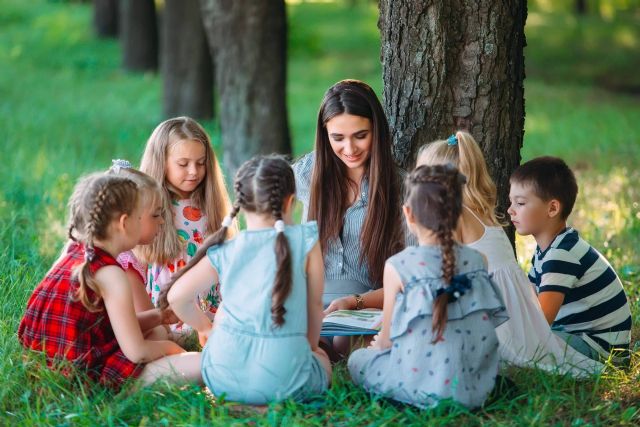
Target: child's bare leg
[
  {"x": 324, "y": 360},
  {"x": 179, "y": 368}
]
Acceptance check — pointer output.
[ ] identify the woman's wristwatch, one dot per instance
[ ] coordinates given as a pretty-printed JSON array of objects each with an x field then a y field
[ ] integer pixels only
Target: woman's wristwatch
[{"x": 359, "y": 301}]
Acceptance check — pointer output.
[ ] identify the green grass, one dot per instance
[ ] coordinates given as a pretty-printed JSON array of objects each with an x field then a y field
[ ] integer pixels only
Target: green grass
[{"x": 66, "y": 108}]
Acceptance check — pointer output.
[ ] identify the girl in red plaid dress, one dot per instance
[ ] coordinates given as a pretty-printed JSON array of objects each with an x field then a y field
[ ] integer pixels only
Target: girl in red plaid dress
[{"x": 83, "y": 310}]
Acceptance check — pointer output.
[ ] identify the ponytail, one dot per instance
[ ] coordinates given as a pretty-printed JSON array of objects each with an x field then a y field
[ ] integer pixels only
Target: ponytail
[{"x": 282, "y": 282}]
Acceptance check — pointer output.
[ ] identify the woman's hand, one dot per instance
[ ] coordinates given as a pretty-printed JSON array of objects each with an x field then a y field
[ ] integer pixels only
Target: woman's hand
[
  {"x": 344, "y": 303},
  {"x": 380, "y": 343}
]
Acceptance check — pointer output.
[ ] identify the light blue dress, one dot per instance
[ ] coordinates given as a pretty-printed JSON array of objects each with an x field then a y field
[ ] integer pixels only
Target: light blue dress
[
  {"x": 246, "y": 357},
  {"x": 464, "y": 364}
]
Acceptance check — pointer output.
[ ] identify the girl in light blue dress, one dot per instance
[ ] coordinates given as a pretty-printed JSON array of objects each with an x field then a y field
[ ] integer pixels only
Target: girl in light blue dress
[
  {"x": 441, "y": 309},
  {"x": 263, "y": 344}
]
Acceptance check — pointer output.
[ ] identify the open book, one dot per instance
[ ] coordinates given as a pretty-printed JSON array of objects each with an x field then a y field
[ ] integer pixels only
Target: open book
[{"x": 352, "y": 322}]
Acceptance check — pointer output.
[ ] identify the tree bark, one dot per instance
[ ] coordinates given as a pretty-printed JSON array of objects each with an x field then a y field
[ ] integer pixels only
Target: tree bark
[
  {"x": 105, "y": 18},
  {"x": 187, "y": 70},
  {"x": 139, "y": 35},
  {"x": 456, "y": 64},
  {"x": 248, "y": 39}
]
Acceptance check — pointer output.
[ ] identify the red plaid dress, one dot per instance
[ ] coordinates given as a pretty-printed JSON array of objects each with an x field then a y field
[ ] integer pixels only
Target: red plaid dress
[{"x": 64, "y": 329}]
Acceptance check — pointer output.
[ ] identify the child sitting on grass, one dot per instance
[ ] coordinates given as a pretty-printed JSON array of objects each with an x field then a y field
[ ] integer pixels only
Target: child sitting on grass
[{"x": 580, "y": 294}]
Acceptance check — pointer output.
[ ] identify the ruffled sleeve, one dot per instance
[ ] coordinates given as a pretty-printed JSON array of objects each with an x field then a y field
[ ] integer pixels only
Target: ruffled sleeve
[
  {"x": 310, "y": 235},
  {"x": 482, "y": 296},
  {"x": 214, "y": 253}
]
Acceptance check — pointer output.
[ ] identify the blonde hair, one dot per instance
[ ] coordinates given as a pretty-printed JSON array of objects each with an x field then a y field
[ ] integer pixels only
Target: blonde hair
[
  {"x": 479, "y": 194},
  {"x": 97, "y": 200},
  {"x": 150, "y": 195},
  {"x": 210, "y": 196}
]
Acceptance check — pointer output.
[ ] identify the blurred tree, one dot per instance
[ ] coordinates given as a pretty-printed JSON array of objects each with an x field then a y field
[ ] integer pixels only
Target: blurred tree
[
  {"x": 187, "y": 71},
  {"x": 139, "y": 35},
  {"x": 105, "y": 18},
  {"x": 581, "y": 7},
  {"x": 248, "y": 39},
  {"x": 451, "y": 65}
]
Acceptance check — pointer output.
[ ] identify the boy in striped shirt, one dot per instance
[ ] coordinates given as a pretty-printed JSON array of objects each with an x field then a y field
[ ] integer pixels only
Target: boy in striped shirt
[{"x": 579, "y": 292}]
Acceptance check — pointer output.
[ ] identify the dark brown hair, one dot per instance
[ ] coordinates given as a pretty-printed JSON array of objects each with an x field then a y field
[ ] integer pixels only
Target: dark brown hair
[
  {"x": 261, "y": 185},
  {"x": 96, "y": 201},
  {"x": 434, "y": 194},
  {"x": 382, "y": 234},
  {"x": 550, "y": 178}
]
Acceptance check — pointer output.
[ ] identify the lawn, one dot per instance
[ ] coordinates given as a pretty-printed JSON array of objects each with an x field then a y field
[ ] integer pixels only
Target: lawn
[{"x": 66, "y": 108}]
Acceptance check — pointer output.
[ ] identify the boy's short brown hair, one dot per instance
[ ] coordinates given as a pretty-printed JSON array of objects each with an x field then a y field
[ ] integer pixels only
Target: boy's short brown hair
[{"x": 550, "y": 178}]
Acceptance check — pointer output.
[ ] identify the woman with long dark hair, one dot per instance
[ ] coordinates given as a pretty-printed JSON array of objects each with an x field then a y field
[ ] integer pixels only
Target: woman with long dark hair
[{"x": 350, "y": 185}]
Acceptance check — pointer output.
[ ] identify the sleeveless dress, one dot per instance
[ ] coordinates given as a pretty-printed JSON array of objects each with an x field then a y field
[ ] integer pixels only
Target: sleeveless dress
[
  {"x": 526, "y": 339},
  {"x": 463, "y": 364},
  {"x": 61, "y": 327},
  {"x": 246, "y": 357}
]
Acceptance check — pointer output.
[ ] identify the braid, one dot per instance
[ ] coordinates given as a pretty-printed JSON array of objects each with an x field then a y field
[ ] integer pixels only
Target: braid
[
  {"x": 434, "y": 194},
  {"x": 282, "y": 282},
  {"x": 91, "y": 216}
]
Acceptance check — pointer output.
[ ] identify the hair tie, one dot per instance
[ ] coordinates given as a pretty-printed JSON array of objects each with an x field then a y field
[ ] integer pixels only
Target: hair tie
[
  {"x": 227, "y": 221},
  {"x": 118, "y": 164},
  {"x": 452, "y": 140},
  {"x": 460, "y": 283},
  {"x": 89, "y": 254},
  {"x": 279, "y": 226}
]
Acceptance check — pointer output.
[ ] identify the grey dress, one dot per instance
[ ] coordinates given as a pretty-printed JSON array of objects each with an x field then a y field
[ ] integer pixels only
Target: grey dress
[{"x": 463, "y": 365}]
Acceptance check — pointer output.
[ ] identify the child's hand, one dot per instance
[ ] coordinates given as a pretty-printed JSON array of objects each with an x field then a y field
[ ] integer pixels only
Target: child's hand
[
  {"x": 379, "y": 343},
  {"x": 203, "y": 337},
  {"x": 344, "y": 303},
  {"x": 169, "y": 317}
]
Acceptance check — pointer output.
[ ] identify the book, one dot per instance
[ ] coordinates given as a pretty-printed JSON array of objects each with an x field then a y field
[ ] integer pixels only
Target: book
[{"x": 352, "y": 322}]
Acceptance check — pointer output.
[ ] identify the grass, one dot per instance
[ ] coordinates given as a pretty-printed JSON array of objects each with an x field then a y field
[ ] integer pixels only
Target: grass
[{"x": 66, "y": 108}]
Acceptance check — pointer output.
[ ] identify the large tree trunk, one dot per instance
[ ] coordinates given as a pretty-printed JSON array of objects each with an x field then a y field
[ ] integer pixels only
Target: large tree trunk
[
  {"x": 456, "y": 64},
  {"x": 105, "y": 18},
  {"x": 187, "y": 72},
  {"x": 139, "y": 35},
  {"x": 248, "y": 39}
]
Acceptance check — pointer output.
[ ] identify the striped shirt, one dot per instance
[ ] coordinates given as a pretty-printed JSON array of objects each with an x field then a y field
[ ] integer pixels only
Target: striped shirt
[
  {"x": 342, "y": 257},
  {"x": 595, "y": 306}
]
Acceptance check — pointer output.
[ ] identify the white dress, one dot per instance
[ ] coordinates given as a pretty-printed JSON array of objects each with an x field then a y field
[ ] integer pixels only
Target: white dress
[{"x": 526, "y": 338}]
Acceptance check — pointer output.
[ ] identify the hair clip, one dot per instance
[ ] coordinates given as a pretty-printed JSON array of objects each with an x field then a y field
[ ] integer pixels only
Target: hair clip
[
  {"x": 452, "y": 140},
  {"x": 118, "y": 164},
  {"x": 89, "y": 254},
  {"x": 279, "y": 226},
  {"x": 226, "y": 222}
]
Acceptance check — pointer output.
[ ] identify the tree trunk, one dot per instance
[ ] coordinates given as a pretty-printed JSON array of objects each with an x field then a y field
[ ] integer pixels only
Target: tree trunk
[
  {"x": 581, "y": 7},
  {"x": 139, "y": 35},
  {"x": 248, "y": 39},
  {"x": 187, "y": 71},
  {"x": 456, "y": 64},
  {"x": 105, "y": 18}
]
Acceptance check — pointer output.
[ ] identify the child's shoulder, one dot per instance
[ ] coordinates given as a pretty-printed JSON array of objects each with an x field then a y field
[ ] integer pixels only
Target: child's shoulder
[{"x": 567, "y": 246}]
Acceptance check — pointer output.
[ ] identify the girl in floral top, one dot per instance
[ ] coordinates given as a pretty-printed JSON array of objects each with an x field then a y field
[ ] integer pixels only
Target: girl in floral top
[{"x": 179, "y": 156}]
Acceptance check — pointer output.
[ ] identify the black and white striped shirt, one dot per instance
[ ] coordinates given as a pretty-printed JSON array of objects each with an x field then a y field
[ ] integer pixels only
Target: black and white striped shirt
[{"x": 595, "y": 305}]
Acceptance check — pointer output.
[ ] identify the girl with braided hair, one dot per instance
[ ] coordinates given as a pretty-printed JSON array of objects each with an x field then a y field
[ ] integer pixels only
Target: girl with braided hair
[
  {"x": 263, "y": 344},
  {"x": 83, "y": 310},
  {"x": 438, "y": 337},
  {"x": 526, "y": 339}
]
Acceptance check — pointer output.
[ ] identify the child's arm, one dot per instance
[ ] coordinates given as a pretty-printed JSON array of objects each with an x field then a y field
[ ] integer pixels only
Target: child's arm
[
  {"x": 550, "y": 302},
  {"x": 141, "y": 300},
  {"x": 116, "y": 293},
  {"x": 184, "y": 294},
  {"x": 392, "y": 285},
  {"x": 315, "y": 289}
]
